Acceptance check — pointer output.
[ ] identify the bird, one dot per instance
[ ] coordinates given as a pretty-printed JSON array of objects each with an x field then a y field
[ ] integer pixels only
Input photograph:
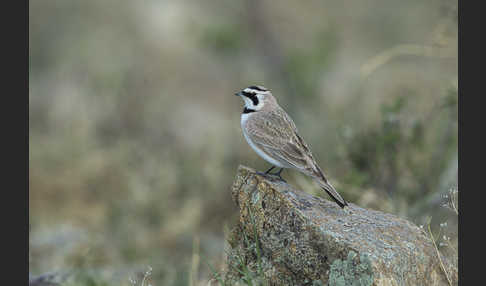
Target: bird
[{"x": 272, "y": 134}]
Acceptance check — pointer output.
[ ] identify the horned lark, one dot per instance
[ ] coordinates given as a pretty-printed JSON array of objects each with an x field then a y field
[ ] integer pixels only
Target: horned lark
[{"x": 273, "y": 135}]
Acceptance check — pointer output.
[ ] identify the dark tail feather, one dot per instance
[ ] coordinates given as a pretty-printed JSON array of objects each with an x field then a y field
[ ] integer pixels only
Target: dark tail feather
[{"x": 332, "y": 192}]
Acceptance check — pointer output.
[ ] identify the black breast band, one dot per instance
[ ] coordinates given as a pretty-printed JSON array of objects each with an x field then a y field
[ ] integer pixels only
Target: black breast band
[{"x": 247, "y": 110}]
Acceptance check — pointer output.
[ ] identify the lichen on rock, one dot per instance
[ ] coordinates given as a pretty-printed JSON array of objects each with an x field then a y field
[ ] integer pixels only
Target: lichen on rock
[{"x": 351, "y": 272}]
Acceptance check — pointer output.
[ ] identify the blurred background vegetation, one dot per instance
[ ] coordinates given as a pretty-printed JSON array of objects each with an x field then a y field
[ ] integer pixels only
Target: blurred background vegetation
[{"x": 135, "y": 132}]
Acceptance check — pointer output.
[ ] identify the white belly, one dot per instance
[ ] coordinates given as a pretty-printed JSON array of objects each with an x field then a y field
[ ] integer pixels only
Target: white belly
[{"x": 244, "y": 118}]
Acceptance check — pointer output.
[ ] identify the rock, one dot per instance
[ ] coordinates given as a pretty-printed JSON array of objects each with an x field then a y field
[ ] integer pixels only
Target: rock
[
  {"x": 288, "y": 237},
  {"x": 47, "y": 279}
]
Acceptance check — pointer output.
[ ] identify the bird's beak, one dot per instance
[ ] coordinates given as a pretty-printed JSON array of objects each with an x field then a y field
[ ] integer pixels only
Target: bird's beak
[{"x": 238, "y": 93}]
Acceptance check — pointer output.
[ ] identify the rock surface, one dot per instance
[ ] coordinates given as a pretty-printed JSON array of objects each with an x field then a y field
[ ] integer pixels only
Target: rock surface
[{"x": 288, "y": 237}]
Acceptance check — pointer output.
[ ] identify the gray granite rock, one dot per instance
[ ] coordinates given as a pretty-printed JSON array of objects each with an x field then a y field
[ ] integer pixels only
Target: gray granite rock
[{"x": 288, "y": 237}]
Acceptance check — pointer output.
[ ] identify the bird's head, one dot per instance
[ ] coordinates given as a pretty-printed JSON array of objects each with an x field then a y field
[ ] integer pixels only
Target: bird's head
[{"x": 256, "y": 97}]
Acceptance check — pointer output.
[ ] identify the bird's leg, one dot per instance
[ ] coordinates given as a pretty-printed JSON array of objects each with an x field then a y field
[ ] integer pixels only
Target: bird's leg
[
  {"x": 268, "y": 171},
  {"x": 274, "y": 174},
  {"x": 278, "y": 174}
]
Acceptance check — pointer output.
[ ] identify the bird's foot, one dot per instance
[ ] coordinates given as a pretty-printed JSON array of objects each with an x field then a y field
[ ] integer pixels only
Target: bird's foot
[{"x": 277, "y": 174}]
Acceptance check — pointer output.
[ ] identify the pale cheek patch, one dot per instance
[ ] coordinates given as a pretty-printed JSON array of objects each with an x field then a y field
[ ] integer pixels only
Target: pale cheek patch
[
  {"x": 260, "y": 102},
  {"x": 248, "y": 103},
  {"x": 260, "y": 105}
]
